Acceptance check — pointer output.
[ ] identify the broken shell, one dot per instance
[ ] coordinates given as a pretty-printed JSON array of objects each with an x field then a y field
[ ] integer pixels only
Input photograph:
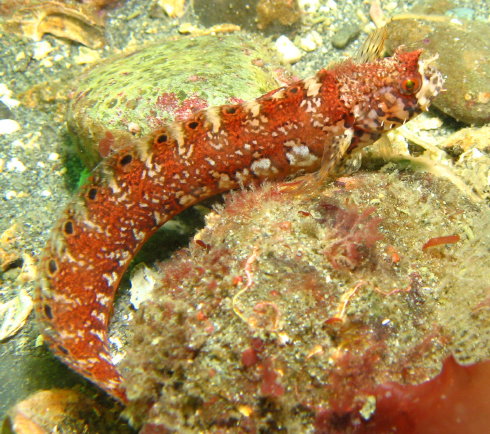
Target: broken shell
[
  {"x": 14, "y": 313},
  {"x": 77, "y": 23},
  {"x": 60, "y": 410}
]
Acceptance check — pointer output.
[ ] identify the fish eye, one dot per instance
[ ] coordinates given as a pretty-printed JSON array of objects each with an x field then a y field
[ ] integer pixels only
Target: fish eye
[{"x": 410, "y": 85}]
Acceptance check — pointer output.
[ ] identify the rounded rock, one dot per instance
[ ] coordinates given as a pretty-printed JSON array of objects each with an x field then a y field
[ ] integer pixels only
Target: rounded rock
[
  {"x": 463, "y": 48},
  {"x": 294, "y": 303},
  {"x": 136, "y": 93}
]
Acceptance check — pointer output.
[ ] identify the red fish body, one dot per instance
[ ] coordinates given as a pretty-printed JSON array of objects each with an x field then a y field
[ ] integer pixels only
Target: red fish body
[{"x": 144, "y": 184}]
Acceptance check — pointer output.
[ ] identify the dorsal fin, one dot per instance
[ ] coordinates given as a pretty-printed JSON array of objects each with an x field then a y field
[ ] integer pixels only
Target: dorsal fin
[{"x": 373, "y": 47}]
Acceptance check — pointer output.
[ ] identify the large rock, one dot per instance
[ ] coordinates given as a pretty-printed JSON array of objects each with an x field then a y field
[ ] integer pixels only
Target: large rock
[{"x": 463, "y": 47}]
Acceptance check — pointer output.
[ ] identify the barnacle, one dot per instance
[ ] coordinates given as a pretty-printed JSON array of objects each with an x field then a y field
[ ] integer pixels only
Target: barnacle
[{"x": 75, "y": 22}]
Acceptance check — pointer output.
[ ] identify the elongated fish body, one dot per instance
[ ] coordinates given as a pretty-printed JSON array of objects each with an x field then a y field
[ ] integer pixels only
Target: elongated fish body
[{"x": 145, "y": 183}]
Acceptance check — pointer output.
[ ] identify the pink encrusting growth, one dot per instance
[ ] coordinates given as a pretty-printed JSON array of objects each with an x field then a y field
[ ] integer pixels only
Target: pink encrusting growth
[{"x": 144, "y": 183}]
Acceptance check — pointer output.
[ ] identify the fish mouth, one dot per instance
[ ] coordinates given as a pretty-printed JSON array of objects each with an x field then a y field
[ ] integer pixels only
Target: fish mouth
[{"x": 432, "y": 82}]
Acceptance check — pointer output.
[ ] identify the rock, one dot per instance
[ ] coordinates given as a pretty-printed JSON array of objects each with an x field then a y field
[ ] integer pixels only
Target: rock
[
  {"x": 465, "y": 13},
  {"x": 227, "y": 11},
  {"x": 311, "y": 41},
  {"x": 344, "y": 35},
  {"x": 432, "y": 7},
  {"x": 8, "y": 126},
  {"x": 5, "y": 112},
  {"x": 470, "y": 148},
  {"x": 464, "y": 49},
  {"x": 138, "y": 92},
  {"x": 293, "y": 300},
  {"x": 288, "y": 52},
  {"x": 250, "y": 14},
  {"x": 285, "y": 12}
]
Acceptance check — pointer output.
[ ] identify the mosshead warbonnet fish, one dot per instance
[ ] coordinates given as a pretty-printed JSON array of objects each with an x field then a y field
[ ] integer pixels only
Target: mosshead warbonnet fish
[{"x": 145, "y": 182}]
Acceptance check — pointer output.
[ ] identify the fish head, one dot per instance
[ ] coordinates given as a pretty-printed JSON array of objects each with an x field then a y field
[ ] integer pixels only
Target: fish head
[{"x": 389, "y": 92}]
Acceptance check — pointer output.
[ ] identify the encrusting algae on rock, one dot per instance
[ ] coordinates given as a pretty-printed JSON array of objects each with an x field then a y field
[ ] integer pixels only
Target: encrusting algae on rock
[{"x": 296, "y": 310}]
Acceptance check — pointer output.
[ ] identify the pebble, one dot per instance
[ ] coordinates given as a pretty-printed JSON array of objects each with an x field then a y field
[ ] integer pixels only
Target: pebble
[
  {"x": 8, "y": 126},
  {"x": 46, "y": 63},
  {"x": 173, "y": 8},
  {"x": 5, "y": 112},
  {"x": 311, "y": 41},
  {"x": 5, "y": 96},
  {"x": 288, "y": 52},
  {"x": 21, "y": 55},
  {"x": 344, "y": 35},
  {"x": 465, "y": 13},
  {"x": 10, "y": 194},
  {"x": 15, "y": 165},
  {"x": 309, "y": 6},
  {"x": 86, "y": 56},
  {"x": 42, "y": 49}
]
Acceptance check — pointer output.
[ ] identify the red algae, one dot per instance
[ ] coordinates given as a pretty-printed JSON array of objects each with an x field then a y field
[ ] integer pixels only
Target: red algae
[
  {"x": 437, "y": 241},
  {"x": 353, "y": 235},
  {"x": 455, "y": 401}
]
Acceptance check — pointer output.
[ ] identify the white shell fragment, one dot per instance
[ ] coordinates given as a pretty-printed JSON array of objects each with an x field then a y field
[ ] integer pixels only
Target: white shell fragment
[
  {"x": 14, "y": 313},
  {"x": 143, "y": 280}
]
